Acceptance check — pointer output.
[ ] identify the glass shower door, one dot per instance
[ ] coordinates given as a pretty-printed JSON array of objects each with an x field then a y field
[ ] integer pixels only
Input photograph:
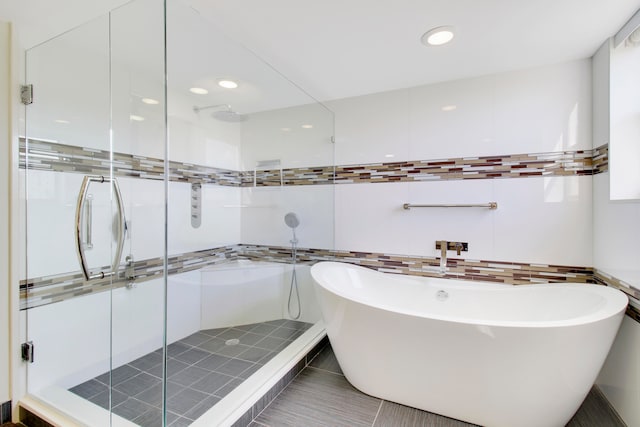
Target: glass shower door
[
  {"x": 92, "y": 176},
  {"x": 67, "y": 138}
]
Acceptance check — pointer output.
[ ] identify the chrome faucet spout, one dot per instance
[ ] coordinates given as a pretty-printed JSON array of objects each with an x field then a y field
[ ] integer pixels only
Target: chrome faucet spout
[{"x": 443, "y": 256}]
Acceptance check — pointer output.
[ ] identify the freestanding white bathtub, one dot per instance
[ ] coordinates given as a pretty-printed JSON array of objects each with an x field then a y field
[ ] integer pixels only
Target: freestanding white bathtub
[{"x": 494, "y": 355}]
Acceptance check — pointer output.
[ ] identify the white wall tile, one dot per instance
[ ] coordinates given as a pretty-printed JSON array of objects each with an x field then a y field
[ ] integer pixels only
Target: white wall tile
[
  {"x": 534, "y": 110},
  {"x": 202, "y": 140},
  {"x": 123, "y": 325},
  {"x": 183, "y": 310},
  {"x": 619, "y": 378},
  {"x": 453, "y": 119},
  {"x": 544, "y": 220},
  {"x": 51, "y": 247},
  {"x": 297, "y": 137},
  {"x": 263, "y": 210},
  {"x": 63, "y": 331},
  {"x": 543, "y": 109},
  {"x": 144, "y": 211},
  {"x": 370, "y": 217},
  {"x": 424, "y": 226},
  {"x": 131, "y": 81},
  {"x": 220, "y": 224},
  {"x": 615, "y": 233},
  {"x": 372, "y": 128},
  {"x": 240, "y": 294},
  {"x": 70, "y": 75}
]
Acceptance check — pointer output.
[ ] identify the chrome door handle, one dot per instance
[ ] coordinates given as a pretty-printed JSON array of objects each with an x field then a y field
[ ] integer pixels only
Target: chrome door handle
[{"x": 83, "y": 204}]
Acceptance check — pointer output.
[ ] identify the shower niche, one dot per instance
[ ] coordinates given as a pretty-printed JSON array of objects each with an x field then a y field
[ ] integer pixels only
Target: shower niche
[{"x": 154, "y": 254}]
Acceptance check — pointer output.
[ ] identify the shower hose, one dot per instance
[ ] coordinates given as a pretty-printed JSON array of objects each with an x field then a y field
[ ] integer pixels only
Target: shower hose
[{"x": 294, "y": 282}]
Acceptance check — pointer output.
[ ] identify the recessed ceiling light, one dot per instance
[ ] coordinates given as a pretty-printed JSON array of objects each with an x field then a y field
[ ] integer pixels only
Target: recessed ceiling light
[
  {"x": 389, "y": 156},
  {"x": 62, "y": 121},
  {"x": 135, "y": 118},
  {"x": 285, "y": 129},
  {"x": 228, "y": 84},
  {"x": 307, "y": 126},
  {"x": 150, "y": 101},
  {"x": 199, "y": 91},
  {"x": 438, "y": 36},
  {"x": 449, "y": 107}
]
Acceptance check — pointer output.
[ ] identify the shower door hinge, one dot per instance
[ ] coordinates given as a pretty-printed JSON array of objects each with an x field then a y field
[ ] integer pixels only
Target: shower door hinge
[
  {"x": 27, "y": 351},
  {"x": 26, "y": 94}
]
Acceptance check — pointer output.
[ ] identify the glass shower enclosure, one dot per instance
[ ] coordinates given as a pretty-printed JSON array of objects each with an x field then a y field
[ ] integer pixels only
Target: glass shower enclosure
[{"x": 161, "y": 284}]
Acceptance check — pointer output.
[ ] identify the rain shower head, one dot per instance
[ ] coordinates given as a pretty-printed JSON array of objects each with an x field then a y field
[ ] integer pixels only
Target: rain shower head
[
  {"x": 291, "y": 219},
  {"x": 226, "y": 114},
  {"x": 229, "y": 116}
]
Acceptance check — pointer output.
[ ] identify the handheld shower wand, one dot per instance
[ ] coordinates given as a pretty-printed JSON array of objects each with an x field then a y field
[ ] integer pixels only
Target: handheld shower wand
[{"x": 292, "y": 221}]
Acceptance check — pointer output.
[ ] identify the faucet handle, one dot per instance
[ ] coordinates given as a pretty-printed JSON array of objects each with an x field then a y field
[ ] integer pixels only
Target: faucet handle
[{"x": 459, "y": 247}]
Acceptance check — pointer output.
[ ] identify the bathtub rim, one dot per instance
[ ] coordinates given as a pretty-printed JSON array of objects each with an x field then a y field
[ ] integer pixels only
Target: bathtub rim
[{"x": 616, "y": 301}]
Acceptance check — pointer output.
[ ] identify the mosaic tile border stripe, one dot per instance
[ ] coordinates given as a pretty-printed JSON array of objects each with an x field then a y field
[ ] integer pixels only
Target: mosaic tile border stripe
[
  {"x": 52, "y": 289},
  {"x": 633, "y": 310},
  {"x": 57, "y": 157},
  {"x": 486, "y": 271}
]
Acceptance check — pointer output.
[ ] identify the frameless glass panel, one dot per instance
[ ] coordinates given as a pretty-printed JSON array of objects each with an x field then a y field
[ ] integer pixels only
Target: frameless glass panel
[
  {"x": 67, "y": 137},
  {"x": 241, "y": 159},
  {"x": 95, "y": 223},
  {"x": 138, "y": 126}
]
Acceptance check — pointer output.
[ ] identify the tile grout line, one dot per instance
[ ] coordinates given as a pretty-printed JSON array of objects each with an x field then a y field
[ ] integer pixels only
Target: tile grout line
[
  {"x": 377, "y": 413},
  {"x": 325, "y": 370},
  {"x": 253, "y": 419}
]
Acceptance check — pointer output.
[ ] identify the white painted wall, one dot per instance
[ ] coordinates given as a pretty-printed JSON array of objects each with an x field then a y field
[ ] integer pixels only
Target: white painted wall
[
  {"x": 615, "y": 233},
  {"x": 540, "y": 220},
  {"x": 6, "y": 127}
]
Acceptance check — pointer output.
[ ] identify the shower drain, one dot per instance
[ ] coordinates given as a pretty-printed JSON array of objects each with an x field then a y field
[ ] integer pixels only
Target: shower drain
[{"x": 234, "y": 341}]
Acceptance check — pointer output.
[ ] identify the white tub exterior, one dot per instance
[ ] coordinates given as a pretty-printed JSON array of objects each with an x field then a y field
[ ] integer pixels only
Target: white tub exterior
[{"x": 493, "y": 355}]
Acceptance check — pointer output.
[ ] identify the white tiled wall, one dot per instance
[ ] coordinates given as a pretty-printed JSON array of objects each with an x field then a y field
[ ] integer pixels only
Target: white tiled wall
[
  {"x": 76, "y": 337},
  {"x": 263, "y": 210},
  {"x": 539, "y": 220},
  {"x": 619, "y": 379},
  {"x": 52, "y": 200},
  {"x": 298, "y": 137},
  {"x": 616, "y": 231}
]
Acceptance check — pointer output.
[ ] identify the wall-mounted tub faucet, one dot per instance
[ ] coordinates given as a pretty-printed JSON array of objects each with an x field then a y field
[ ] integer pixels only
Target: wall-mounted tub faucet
[
  {"x": 445, "y": 246},
  {"x": 443, "y": 255}
]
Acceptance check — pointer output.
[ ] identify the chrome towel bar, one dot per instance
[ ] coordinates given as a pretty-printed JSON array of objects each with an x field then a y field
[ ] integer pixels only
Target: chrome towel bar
[{"x": 490, "y": 205}]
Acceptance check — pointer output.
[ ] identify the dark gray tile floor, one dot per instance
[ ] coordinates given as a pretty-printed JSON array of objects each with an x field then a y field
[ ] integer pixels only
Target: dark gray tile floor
[
  {"x": 201, "y": 369},
  {"x": 321, "y": 396}
]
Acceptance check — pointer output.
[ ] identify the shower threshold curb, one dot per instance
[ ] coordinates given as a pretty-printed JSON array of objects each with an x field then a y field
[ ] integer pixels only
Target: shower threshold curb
[
  {"x": 255, "y": 393},
  {"x": 258, "y": 390}
]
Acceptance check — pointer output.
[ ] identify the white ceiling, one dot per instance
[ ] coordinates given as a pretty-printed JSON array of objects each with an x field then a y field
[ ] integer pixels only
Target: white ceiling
[{"x": 341, "y": 48}]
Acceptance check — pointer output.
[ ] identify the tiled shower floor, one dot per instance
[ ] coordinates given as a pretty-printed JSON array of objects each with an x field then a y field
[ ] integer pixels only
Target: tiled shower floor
[{"x": 201, "y": 369}]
